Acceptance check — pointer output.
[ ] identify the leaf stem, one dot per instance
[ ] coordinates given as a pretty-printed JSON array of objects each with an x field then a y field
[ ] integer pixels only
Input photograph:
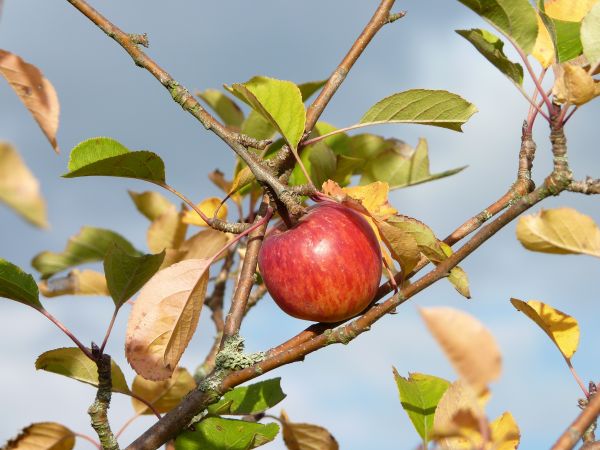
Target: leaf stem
[
  {"x": 65, "y": 330},
  {"x": 127, "y": 423},
  {"x": 145, "y": 402},
  {"x": 109, "y": 329},
  {"x": 577, "y": 378},
  {"x": 89, "y": 439},
  {"x": 537, "y": 83}
]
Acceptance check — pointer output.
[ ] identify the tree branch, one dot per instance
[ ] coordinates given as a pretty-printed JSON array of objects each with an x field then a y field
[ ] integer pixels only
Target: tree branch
[
  {"x": 589, "y": 186},
  {"x": 98, "y": 411},
  {"x": 571, "y": 435}
]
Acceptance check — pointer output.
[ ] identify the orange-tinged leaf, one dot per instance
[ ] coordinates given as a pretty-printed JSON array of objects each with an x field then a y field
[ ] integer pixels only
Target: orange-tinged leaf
[
  {"x": 208, "y": 207},
  {"x": 164, "y": 318},
  {"x": 401, "y": 244},
  {"x": 560, "y": 327},
  {"x": 568, "y": 10},
  {"x": 374, "y": 197},
  {"x": 162, "y": 395},
  {"x": 543, "y": 50},
  {"x": 574, "y": 85},
  {"x": 43, "y": 436},
  {"x": 35, "y": 91},
  {"x": 306, "y": 436},
  {"x": 469, "y": 346},
  {"x": 505, "y": 432},
  {"x": 167, "y": 231}
]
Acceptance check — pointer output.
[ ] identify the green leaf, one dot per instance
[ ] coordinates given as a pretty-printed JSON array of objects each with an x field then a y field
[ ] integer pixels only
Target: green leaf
[
  {"x": 73, "y": 363},
  {"x": 150, "y": 204},
  {"x": 278, "y": 101},
  {"x": 336, "y": 142},
  {"x": 419, "y": 395},
  {"x": 590, "y": 35},
  {"x": 103, "y": 156},
  {"x": 400, "y": 166},
  {"x": 251, "y": 399},
  {"x": 320, "y": 162},
  {"x": 90, "y": 245},
  {"x": 126, "y": 274},
  {"x": 421, "y": 106},
  {"x": 515, "y": 18},
  {"x": 492, "y": 48},
  {"x": 565, "y": 36},
  {"x": 310, "y": 87},
  {"x": 257, "y": 126},
  {"x": 19, "y": 189},
  {"x": 216, "y": 433},
  {"x": 18, "y": 285},
  {"x": 227, "y": 110},
  {"x": 428, "y": 244}
]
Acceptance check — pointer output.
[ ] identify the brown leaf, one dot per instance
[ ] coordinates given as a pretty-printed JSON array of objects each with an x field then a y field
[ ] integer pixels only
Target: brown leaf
[
  {"x": 77, "y": 282},
  {"x": 163, "y": 395},
  {"x": 19, "y": 188},
  {"x": 164, "y": 318},
  {"x": 35, "y": 91},
  {"x": 574, "y": 85},
  {"x": 43, "y": 436},
  {"x": 469, "y": 346},
  {"x": 167, "y": 231},
  {"x": 205, "y": 244},
  {"x": 401, "y": 244},
  {"x": 305, "y": 436}
]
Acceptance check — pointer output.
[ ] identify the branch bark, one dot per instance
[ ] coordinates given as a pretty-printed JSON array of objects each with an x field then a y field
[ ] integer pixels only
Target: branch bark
[
  {"x": 98, "y": 411},
  {"x": 575, "y": 431}
]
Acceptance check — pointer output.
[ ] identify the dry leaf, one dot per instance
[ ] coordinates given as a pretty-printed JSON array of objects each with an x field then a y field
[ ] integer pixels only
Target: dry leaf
[
  {"x": 162, "y": 395},
  {"x": 19, "y": 188},
  {"x": 560, "y": 327},
  {"x": 574, "y": 85},
  {"x": 168, "y": 231},
  {"x": 543, "y": 50},
  {"x": 469, "y": 346},
  {"x": 401, "y": 244},
  {"x": 505, "y": 432},
  {"x": 77, "y": 282},
  {"x": 164, "y": 318},
  {"x": 305, "y": 436},
  {"x": 205, "y": 244},
  {"x": 561, "y": 231},
  {"x": 568, "y": 10},
  {"x": 35, "y": 91},
  {"x": 43, "y": 436},
  {"x": 208, "y": 207}
]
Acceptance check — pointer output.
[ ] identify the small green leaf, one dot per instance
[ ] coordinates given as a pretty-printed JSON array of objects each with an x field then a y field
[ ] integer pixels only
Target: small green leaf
[
  {"x": 421, "y": 106},
  {"x": 150, "y": 204},
  {"x": 590, "y": 35},
  {"x": 216, "y": 433},
  {"x": 320, "y": 162},
  {"x": 278, "y": 101},
  {"x": 515, "y": 18},
  {"x": 103, "y": 156},
  {"x": 18, "y": 285},
  {"x": 90, "y": 245},
  {"x": 400, "y": 166},
  {"x": 257, "y": 126},
  {"x": 229, "y": 112},
  {"x": 310, "y": 87},
  {"x": 126, "y": 274},
  {"x": 251, "y": 399},
  {"x": 419, "y": 395},
  {"x": 565, "y": 36},
  {"x": 73, "y": 363},
  {"x": 492, "y": 48}
]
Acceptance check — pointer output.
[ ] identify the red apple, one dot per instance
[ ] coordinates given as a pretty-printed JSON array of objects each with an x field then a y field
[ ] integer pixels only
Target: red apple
[{"x": 326, "y": 268}]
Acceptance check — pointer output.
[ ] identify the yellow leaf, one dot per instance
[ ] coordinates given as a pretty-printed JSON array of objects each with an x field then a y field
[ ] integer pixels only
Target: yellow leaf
[
  {"x": 374, "y": 197},
  {"x": 505, "y": 432},
  {"x": 218, "y": 178},
  {"x": 167, "y": 231},
  {"x": 208, "y": 207},
  {"x": 163, "y": 395},
  {"x": 205, "y": 244},
  {"x": 574, "y": 85},
  {"x": 560, "y": 231},
  {"x": 468, "y": 345},
  {"x": 164, "y": 318},
  {"x": 150, "y": 204},
  {"x": 401, "y": 244},
  {"x": 306, "y": 436},
  {"x": 543, "y": 50},
  {"x": 241, "y": 179},
  {"x": 77, "y": 282},
  {"x": 43, "y": 436},
  {"x": 560, "y": 327},
  {"x": 569, "y": 10},
  {"x": 457, "y": 276}
]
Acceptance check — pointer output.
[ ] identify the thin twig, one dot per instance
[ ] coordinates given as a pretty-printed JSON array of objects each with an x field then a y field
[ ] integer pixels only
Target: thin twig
[
  {"x": 537, "y": 83},
  {"x": 150, "y": 406},
  {"x": 127, "y": 423},
  {"x": 575, "y": 431},
  {"x": 589, "y": 186}
]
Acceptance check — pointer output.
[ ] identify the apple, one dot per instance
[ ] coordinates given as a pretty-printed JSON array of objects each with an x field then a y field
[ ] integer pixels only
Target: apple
[{"x": 326, "y": 268}]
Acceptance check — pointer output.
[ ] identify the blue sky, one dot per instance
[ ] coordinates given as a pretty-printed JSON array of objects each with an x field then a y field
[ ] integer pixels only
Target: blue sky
[{"x": 348, "y": 389}]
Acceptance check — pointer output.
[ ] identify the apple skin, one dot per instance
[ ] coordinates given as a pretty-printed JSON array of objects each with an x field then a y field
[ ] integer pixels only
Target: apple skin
[{"x": 326, "y": 268}]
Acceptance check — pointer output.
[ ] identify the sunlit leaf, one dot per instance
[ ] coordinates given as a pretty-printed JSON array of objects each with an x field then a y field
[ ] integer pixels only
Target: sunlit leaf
[
  {"x": 257, "y": 126},
  {"x": 421, "y": 106},
  {"x": 473, "y": 351},
  {"x": 374, "y": 197},
  {"x": 574, "y": 85},
  {"x": 89, "y": 245},
  {"x": 320, "y": 163},
  {"x": 167, "y": 231},
  {"x": 457, "y": 276},
  {"x": 543, "y": 49},
  {"x": 208, "y": 207},
  {"x": 218, "y": 433},
  {"x": 401, "y": 165},
  {"x": 505, "y": 432},
  {"x": 252, "y": 399},
  {"x": 164, "y": 318},
  {"x": 492, "y": 48},
  {"x": 569, "y": 10},
  {"x": 162, "y": 395},
  {"x": 278, "y": 101},
  {"x": 35, "y": 91},
  {"x": 18, "y": 285},
  {"x": 227, "y": 110},
  {"x": 590, "y": 35},
  {"x": 428, "y": 244},
  {"x": 561, "y": 231},
  {"x": 102, "y": 156},
  {"x": 126, "y": 274},
  {"x": 19, "y": 188},
  {"x": 565, "y": 37},
  {"x": 515, "y": 18},
  {"x": 150, "y": 204},
  {"x": 560, "y": 327},
  {"x": 419, "y": 395},
  {"x": 310, "y": 87},
  {"x": 77, "y": 282},
  {"x": 401, "y": 245},
  {"x": 306, "y": 436},
  {"x": 43, "y": 436},
  {"x": 205, "y": 244},
  {"x": 73, "y": 363}
]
